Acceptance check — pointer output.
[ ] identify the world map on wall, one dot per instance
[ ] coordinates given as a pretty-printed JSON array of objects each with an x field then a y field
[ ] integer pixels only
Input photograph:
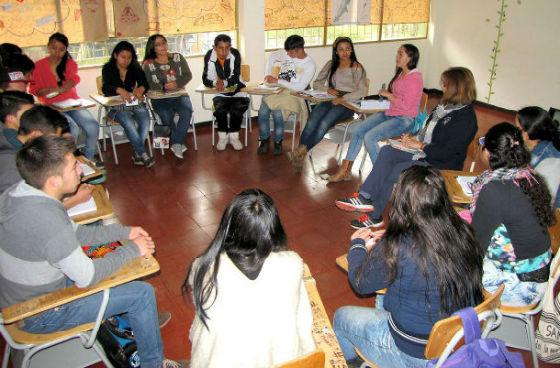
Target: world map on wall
[
  {"x": 280, "y": 14},
  {"x": 31, "y": 22},
  {"x": 142, "y": 17}
]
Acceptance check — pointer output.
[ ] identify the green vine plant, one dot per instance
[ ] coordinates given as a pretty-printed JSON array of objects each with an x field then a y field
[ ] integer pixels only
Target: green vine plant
[{"x": 496, "y": 49}]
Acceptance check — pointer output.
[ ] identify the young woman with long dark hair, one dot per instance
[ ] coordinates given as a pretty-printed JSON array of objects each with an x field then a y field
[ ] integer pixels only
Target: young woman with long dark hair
[
  {"x": 404, "y": 93},
  {"x": 511, "y": 212},
  {"x": 442, "y": 143},
  {"x": 342, "y": 76},
  {"x": 252, "y": 308},
  {"x": 542, "y": 137},
  {"x": 123, "y": 76},
  {"x": 54, "y": 80},
  {"x": 169, "y": 71},
  {"x": 430, "y": 263}
]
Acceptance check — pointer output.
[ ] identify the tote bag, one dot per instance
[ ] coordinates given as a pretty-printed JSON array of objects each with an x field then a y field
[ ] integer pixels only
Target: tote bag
[{"x": 548, "y": 331}]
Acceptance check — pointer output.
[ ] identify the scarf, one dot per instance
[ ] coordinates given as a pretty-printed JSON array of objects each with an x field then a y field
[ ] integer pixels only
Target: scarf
[
  {"x": 438, "y": 113},
  {"x": 501, "y": 174}
]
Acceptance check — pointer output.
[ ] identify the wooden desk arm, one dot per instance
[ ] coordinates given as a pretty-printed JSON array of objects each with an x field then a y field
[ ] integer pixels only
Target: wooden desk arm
[{"x": 135, "y": 269}]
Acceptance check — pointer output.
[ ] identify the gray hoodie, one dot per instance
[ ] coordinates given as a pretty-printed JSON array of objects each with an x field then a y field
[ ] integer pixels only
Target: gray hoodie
[
  {"x": 40, "y": 246},
  {"x": 9, "y": 174}
]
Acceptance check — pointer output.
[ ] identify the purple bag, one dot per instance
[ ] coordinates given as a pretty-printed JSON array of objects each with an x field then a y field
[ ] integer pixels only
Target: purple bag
[{"x": 478, "y": 352}]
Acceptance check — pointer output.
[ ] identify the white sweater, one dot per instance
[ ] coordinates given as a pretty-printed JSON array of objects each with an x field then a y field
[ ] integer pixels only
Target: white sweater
[
  {"x": 295, "y": 74},
  {"x": 255, "y": 323}
]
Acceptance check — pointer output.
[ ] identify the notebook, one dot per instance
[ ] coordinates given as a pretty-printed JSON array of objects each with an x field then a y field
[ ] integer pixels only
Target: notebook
[
  {"x": 466, "y": 184},
  {"x": 83, "y": 208}
]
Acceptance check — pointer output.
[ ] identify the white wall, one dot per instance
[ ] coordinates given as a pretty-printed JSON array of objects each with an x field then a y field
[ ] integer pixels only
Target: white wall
[{"x": 527, "y": 72}]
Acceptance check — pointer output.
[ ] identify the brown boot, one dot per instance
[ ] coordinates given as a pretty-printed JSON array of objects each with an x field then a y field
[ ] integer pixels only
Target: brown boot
[{"x": 344, "y": 172}]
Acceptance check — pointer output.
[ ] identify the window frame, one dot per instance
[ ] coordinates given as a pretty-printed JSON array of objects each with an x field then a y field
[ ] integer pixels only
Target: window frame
[{"x": 379, "y": 32}]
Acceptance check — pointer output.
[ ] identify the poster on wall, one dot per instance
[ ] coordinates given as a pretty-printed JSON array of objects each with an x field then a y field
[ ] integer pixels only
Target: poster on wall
[
  {"x": 351, "y": 11},
  {"x": 31, "y": 22}
]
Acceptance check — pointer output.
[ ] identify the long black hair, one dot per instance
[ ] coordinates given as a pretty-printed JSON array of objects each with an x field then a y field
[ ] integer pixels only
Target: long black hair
[
  {"x": 249, "y": 230},
  {"x": 150, "y": 52},
  {"x": 414, "y": 54},
  {"x": 539, "y": 125},
  {"x": 422, "y": 213},
  {"x": 124, "y": 46},
  {"x": 61, "y": 67},
  {"x": 506, "y": 149},
  {"x": 336, "y": 59}
]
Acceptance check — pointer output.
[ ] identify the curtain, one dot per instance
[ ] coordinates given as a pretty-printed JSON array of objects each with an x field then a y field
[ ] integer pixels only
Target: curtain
[{"x": 282, "y": 14}]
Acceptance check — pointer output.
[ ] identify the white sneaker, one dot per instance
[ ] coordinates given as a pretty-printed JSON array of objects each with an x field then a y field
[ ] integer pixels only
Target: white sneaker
[
  {"x": 177, "y": 150},
  {"x": 222, "y": 141},
  {"x": 234, "y": 141},
  {"x": 183, "y": 148}
]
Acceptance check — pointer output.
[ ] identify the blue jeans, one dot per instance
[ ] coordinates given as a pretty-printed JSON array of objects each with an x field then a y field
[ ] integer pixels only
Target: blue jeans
[
  {"x": 323, "y": 117},
  {"x": 135, "y": 124},
  {"x": 264, "y": 123},
  {"x": 166, "y": 109},
  {"x": 368, "y": 330},
  {"x": 136, "y": 299},
  {"x": 374, "y": 129},
  {"x": 378, "y": 186},
  {"x": 83, "y": 119}
]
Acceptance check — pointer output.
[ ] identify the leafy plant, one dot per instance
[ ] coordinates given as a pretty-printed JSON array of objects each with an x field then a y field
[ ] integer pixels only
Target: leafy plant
[{"x": 496, "y": 49}]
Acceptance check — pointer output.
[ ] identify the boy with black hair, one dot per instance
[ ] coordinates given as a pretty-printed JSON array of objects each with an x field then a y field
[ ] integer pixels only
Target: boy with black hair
[
  {"x": 222, "y": 70},
  {"x": 296, "y": 72},
  {"x": 43, "y": 260},
  {"x": 16, "y": 72}
]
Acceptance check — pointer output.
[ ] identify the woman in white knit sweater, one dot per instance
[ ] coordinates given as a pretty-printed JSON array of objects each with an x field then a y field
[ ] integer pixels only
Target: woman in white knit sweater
[{"x": 252, "y": 308}]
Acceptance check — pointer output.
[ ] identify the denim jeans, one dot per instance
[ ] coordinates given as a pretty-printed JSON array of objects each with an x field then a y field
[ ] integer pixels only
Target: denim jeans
[
  {"x": 135, "y": 124},
  {"x": 166, "y": 109},
  {"x": 374, "y": 129},
  {"x": 136, "y": 299},
  {"x": 378, "y": 186},
  {"x": 368, "y": 330},
  {"x": 323, "y": 117},
  {"x": 83, "y": 119},
  {"x": 264, "y": 123}
]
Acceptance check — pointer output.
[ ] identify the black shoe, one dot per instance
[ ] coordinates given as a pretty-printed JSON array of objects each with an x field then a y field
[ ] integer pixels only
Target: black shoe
[
  {"x": 366, "y": 222},
  {"x": 263, "y": 147},
  {"x": 98, "y": 163},
  {"x": 137, "y": 160},
  {"x": 277, "y": 148},
  {"x": 147, "y": 160}
]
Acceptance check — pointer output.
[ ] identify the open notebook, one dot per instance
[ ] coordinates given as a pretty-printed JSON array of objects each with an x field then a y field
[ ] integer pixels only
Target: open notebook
[
  {"x": 83, "y": 208},
  {"x": 71, "y": 102},
  {"x": 86, "y": 169}
]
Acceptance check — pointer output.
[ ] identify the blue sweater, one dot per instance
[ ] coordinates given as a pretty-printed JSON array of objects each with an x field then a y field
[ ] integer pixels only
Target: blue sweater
[{"x": 412, "y": 300}]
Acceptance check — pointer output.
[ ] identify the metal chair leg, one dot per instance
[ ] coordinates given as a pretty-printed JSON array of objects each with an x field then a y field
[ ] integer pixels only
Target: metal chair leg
[
  {"x": 194, "y": 133},
  {"x": 113, "y": 144}
]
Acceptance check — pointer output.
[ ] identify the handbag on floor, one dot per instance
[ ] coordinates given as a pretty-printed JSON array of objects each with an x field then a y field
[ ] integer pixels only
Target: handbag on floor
[
  {"x": 548, "y": 330},
  {"x": 117, "y": 339},
  {"x": 161, "y": 136},
  {"x": 479, "y": 352}
]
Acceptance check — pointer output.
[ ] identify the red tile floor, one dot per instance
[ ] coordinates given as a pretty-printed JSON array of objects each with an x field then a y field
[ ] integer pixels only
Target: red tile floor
[{"x": 180, "y": 204}]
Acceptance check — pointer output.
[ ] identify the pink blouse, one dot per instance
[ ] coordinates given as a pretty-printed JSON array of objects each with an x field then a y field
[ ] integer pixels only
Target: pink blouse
[
  {"x": 43, "y": 77},
  {"x": 408, "y": 93}
]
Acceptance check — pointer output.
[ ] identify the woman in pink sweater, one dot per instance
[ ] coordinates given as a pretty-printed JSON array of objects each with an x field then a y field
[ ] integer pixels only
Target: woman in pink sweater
[
  {"x": 404, "y": 94},
  {"x": 54, "y": 80}
]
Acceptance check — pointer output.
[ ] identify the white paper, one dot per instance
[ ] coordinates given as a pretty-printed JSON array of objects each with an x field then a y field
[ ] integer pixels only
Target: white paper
[
  {"x": 319, "y": 94},
  {"x": 86, "y": 169},
  {"x": 398, "y": 145},
  {"x": 374, "y": 104},
  {"x": 72, "y": 102},
  {"x": 82, "y": 208},
  {"x": 133, "y": 102},
  {"x": 465, "y": 182}
]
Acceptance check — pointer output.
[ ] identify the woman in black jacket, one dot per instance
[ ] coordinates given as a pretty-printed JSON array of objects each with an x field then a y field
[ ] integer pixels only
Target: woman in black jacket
[
  {"x": 442, "y": 144},
  {"x": 123, "y": 76}
]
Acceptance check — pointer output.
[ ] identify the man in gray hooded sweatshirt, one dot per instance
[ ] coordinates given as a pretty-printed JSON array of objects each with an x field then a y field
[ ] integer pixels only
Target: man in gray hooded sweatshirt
[{"x": 41, "y": 252}]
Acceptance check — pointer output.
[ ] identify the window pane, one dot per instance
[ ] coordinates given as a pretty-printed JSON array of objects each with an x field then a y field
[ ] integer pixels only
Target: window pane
[
  {"x": 313, "y": 36},
  {"x": 357, "y": 32},
  {"x": 98, "y": 53},
  {"x": 404, "y": 31}
]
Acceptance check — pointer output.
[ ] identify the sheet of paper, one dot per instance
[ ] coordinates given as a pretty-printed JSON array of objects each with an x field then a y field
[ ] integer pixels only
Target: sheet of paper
[
  {"x": 86, "y": 169},
  {"x": 396, "y": 144},
  {"x": 466, "y": 183},
  {"x": 374, "y": 104},
  {"x": 82, "y": 208},
  {"x": 68, "y": 103},
  {"x": 318, "y": 94}
]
